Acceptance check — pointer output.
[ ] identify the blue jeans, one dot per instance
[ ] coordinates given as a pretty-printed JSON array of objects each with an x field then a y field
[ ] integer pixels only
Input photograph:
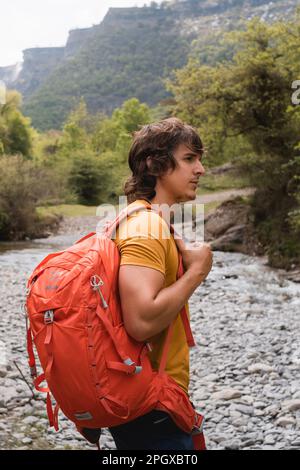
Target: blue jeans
[{"x": 153, "y": 431}]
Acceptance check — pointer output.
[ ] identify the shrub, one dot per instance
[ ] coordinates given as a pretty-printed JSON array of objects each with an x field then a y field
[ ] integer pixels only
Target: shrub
[{"x": 23, "y": 186}]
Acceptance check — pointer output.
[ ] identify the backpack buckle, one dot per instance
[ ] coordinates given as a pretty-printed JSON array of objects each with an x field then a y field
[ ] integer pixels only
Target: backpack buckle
[
  {"x": 129, "y": 362},
  {"x": 198, "y": 429},
  {"x": 33, "y": 372},
  {"x": 48, "y": 317}
]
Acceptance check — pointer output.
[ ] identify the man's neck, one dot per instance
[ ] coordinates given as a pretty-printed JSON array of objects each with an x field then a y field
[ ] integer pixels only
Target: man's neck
[{"x": 163, "y": 198}]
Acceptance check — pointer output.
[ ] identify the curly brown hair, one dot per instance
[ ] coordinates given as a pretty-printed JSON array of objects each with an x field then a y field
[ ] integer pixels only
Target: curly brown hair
[{"x": 157, "y": 141}]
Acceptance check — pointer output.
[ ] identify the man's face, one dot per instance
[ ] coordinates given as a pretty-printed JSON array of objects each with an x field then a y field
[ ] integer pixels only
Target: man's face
[{"x": 181, "y": 184}]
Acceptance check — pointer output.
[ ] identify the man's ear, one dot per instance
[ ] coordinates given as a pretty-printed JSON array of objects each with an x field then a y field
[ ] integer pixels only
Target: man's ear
[{"x": 148, "y": 162}]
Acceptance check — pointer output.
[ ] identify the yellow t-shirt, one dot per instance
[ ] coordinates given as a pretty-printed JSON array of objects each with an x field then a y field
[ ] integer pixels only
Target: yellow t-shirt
[{"x": 144, "y": 240}]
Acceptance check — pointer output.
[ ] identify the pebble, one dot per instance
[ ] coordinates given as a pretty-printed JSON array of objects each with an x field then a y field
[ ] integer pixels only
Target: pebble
[
  {"x": 245, "y": 377},
  {"x": 285, "y": 421},
  {"x": 245, "y": 410},
  {"x": 270, "y": 439},
  {"x": 291, "y": 405},
  {"x": 3, "y": 372},
  {"x": 232, "y": 445},
  {"x": 260, "y": 404},
  {"x": 256, "y": 368},
  {"x": 26, "y": 440},
  {"x": 30, "y": 420},
  {"x": 18, "y": 436},
  {"x": 228, "y": 394}
]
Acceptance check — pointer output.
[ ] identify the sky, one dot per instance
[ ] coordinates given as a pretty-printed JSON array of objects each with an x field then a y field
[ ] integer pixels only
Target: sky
[{"x": 46, "y": 23}]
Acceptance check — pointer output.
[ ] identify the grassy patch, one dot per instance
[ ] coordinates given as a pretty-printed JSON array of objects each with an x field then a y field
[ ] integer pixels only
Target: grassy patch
[
  {"x": 210, "y": 207},
  {"x": 68, "y": 210},
  {"x": 229, "y": 180}
]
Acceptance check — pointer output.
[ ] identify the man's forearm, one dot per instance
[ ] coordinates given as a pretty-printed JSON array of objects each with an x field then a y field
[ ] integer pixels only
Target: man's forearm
[{"x": 169, "y": 302}]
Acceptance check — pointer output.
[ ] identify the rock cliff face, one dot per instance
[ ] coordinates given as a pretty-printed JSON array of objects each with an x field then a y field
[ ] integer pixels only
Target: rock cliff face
[
  {"x": 76, "y": 39},
  {"x": 40, "y": 62},
  {"x": 127, "y": 54},
  {"x": 10, "y": 74},
  {"x": 37, "y": 66}
]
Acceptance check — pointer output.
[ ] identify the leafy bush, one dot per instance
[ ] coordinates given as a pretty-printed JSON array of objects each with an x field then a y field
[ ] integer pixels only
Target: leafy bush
[{"x": 23, "y": 186}]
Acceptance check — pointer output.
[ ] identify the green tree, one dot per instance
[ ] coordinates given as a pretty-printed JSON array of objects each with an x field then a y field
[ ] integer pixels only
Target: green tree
[
  {"x": 112, "y": 139},
  {"x": 244, "y": 106},
  {"x": 15, "y": 131},
  {"x": 115, "y": 133},
  {"x": 90, "y": 154},
  {"x": 87, "y": 178},
  {"x": 76, "y": 128},
  {"x": 105, "y": 135},
  {"x": 131, "y": 115}
]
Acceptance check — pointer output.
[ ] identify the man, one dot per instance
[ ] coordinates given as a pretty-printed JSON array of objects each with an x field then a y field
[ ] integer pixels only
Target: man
[{"x": 165, "y": 160}]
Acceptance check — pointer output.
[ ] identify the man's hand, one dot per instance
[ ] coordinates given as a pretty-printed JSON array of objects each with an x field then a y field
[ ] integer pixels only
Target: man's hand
[
  {"x": 198, "y": 260},
  {"x": 149, "y": 307}
]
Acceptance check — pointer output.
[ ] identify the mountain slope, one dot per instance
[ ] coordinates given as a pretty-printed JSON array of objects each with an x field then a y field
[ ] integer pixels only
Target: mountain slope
[{"x": 128, "y": 54}]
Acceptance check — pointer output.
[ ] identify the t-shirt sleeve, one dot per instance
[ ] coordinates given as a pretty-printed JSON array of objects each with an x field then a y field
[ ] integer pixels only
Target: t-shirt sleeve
[{"x": 147, "y": 244}]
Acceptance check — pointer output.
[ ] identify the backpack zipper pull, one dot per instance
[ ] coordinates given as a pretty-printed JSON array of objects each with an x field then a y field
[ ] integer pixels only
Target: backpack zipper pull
[
  {"x": 96, "y": 282},
  {"x": 102, "y": 298}
]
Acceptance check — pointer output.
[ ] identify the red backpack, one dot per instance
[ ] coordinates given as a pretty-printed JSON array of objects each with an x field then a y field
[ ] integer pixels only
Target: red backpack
[{"x": 99, "y": 376}]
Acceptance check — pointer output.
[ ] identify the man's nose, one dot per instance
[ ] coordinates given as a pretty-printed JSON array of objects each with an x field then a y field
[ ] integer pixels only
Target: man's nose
[{"x": 200, "y": 170}]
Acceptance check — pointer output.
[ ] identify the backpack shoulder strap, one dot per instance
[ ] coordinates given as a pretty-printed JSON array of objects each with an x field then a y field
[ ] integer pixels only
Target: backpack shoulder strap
[
  {"x": 184, "y": 317},
  {"x": 186, "y": 324},
  {"x": 85, "y": 237},
  {"x": 111, "y": 229}
]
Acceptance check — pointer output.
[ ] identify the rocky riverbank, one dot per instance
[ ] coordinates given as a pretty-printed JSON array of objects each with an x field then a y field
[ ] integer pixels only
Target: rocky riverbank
[
  {"x": 245, "y": 371},
  {"x": 230, "y": 228}
]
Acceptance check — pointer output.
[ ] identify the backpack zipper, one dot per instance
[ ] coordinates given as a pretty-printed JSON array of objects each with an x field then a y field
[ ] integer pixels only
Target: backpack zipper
[{"x": 96, "y": 283}]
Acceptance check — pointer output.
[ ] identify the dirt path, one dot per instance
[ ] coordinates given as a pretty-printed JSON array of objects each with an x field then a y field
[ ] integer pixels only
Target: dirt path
[{"x": 221, "y": 196}]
